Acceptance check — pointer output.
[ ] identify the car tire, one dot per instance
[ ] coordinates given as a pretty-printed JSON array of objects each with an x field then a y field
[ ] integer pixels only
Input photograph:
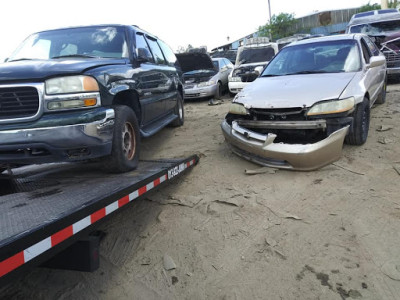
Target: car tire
[
  {"x": 358, "y": 132},
  {"x": 218, "y": 93},
  {"x": 126, "y": 141},
  {"x": 382, "y": 95},
  {"x": 180, "y": 111}
]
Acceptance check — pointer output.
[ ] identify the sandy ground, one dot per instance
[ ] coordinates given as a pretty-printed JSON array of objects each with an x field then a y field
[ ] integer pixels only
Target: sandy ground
[{"x": 327, "y": 234}]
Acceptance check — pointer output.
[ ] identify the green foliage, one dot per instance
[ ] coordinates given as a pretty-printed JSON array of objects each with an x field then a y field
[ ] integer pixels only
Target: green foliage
[
  {"x": 280, "y": 26},
  {"x": 368, "y": 7},
  {"x": 392, "y": 4}
]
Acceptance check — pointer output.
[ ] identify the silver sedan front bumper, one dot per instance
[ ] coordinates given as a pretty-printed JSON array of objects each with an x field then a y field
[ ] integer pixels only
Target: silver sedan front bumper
[
  {"x": 261, "y": 148},
  {"x": 200, "y": 92}
]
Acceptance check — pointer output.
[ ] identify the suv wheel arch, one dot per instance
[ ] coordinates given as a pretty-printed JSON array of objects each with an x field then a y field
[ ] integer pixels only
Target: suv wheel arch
[{"x": 129, "y": 98}]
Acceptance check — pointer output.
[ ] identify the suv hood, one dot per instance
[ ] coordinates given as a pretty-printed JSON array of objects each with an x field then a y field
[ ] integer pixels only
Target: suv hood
[
  {"x": 40, "y": 69},
  {"x": 293, "y": 90},
  {"x": 194, "y": 61}
]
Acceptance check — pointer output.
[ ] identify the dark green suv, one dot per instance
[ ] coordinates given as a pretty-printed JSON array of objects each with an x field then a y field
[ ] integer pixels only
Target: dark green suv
[{"x": 86, "y": 92}]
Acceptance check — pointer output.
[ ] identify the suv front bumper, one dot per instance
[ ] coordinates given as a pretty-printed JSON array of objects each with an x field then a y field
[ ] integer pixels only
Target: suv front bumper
[
  {"x": 261, "y": 148},
  {"x": 59, "y": 137}
]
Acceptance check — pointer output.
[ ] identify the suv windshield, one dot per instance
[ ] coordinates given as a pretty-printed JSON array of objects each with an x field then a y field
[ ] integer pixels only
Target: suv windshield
[
  {"x": 322, "y": 57},
  {"x": 255, "y": 55},
  {"x": 99, "y": 41},
  {"x": 376, "y": 28}
]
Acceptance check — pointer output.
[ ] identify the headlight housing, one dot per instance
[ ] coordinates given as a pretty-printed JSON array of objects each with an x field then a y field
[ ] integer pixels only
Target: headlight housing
[
  {"x": 332, "y": 107},
  {"x": 238, "y": 109},
  {"x": 207, "y": 83},
  {"x": 71, "y": 84}
]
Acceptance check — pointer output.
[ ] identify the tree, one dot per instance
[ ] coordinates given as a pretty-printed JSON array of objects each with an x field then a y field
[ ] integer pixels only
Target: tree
[
  {"x": 368, "y": 7},
  {"x": 279, "y": 26}
]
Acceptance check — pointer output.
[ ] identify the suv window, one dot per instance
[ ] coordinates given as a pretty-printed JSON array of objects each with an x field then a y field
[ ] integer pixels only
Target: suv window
[
  {"x": 168, "y": 53},
  {"x": 141, "y": 43},
  {"x": 156, "y": 50}
]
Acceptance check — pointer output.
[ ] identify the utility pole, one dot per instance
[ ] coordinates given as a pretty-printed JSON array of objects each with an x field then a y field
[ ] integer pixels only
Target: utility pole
[
  {"x": 384, "y": 4},
  {"x": 269, "y": 8}
]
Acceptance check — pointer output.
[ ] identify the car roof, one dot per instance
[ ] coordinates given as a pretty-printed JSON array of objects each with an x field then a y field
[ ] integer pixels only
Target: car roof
[
  {"x": 340, "y": 37},
  {"x": 374, "y": 16},
  {"x": 87, "y": 26},
  {"x": 134, "y": 27}
]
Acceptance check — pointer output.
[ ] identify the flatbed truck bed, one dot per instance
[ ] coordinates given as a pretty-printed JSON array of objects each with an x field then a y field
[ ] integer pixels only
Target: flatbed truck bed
[{"x": 46, "y": 208}]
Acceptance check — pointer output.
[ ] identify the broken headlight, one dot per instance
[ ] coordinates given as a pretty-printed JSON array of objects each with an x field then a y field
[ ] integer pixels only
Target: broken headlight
[
  {"x": 331, "y": 107},
  {"x": 238, "y": 109}
]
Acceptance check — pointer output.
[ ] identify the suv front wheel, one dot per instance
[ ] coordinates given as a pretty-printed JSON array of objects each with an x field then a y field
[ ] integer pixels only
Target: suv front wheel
[{"x": 126, "y": 141}]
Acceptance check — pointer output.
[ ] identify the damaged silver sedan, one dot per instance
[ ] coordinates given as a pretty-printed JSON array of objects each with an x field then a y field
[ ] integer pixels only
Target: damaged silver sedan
[{"x": 314, "y": 95}]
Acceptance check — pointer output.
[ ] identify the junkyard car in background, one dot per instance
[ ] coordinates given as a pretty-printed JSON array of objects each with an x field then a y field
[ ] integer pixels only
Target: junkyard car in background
[
  {"x": 80, "y": 93},
  {"x": 310, "y": 97},
  {"x": 383, "y": 26},
  {"x": 229, "y": 54},
  {"x": 204, "y": 77},
  {"x": 250, "y": 60}
]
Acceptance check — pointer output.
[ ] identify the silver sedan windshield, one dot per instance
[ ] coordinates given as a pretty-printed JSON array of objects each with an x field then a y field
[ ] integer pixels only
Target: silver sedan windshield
[{"x": 322, "y": 57}]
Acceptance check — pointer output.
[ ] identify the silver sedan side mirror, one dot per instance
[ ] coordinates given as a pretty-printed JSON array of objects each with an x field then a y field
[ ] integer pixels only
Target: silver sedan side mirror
[{"x": 376, "y": 61}]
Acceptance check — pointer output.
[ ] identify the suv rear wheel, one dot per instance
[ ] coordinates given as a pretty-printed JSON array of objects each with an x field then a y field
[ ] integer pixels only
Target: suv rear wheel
[
  {"x": 126, "y": 141},
  {"x": 179, "y": 110}
]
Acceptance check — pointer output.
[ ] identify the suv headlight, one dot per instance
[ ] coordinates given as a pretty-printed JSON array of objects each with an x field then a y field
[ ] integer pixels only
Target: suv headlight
[
  {"x": 71, "y": 84},
  {"x": 72, "y": 92},
  {"x": 207, "y": 83},
  {"x": 332, "y": 107}
]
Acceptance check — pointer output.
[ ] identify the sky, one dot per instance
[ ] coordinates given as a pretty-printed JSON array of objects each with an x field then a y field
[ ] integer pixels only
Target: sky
[{"x": 177, "y": 22}]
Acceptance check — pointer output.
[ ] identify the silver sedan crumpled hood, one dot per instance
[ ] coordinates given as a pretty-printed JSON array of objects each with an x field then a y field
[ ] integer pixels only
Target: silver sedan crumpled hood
[{"x": 293, "y": 90}]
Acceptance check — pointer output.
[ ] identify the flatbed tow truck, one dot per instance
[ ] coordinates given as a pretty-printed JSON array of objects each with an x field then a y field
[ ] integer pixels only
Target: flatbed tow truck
[{"x": 49, "y": 213}]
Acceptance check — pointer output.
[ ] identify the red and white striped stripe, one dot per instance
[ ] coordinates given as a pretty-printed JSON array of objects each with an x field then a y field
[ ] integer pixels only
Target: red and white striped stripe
[{"x": 39, "y": 248}]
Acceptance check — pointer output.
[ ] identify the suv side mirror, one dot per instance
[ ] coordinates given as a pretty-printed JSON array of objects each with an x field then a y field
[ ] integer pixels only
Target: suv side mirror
[
  {"x": 143, "y": 55},
  {"x": 376, "y": 61}
]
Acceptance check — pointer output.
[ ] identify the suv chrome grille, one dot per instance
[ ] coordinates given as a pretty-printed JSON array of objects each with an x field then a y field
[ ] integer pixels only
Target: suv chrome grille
[
  {"x": 392, "y": 59},
  {"x": 18, "y": 102}
]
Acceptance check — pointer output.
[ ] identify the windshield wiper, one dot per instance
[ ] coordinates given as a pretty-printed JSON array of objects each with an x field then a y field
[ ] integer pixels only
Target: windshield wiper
[
  {"x": 75, "y": 55},
  {"x": 309, "y": 72},
  {"x": 18, "y": 59},
  {"x": 272, "y": 75}
]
